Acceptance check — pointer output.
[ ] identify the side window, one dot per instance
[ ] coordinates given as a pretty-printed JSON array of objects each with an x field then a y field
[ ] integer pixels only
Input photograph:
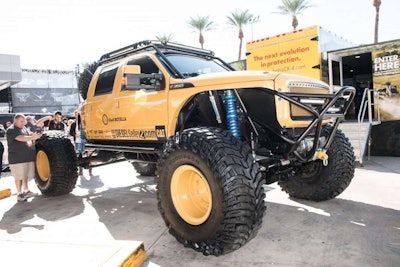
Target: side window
[
  {"x": 147, "y": 66},
  {"x": 106, "y": 80}
]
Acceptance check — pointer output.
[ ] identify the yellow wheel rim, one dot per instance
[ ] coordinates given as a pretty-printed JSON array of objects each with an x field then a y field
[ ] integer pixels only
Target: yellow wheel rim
[
  {"x": 191, "y": 194},
  {"x": 42, "y": 165}
]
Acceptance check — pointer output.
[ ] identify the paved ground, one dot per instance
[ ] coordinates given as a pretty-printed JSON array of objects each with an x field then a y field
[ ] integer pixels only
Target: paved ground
[{"x": 115, "y": 207}]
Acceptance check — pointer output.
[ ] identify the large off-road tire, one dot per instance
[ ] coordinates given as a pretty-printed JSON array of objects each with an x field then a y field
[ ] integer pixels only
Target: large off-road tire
[
  {"x": 56, "y": 164},
  {"x": 145, "y": 169},
  {"x": 210, "y": 192},
  {"x": 314, "y": 181}
]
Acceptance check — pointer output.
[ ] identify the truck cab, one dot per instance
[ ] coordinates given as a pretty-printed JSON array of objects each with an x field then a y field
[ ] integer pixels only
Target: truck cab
[{"x": 210, "y": 135}]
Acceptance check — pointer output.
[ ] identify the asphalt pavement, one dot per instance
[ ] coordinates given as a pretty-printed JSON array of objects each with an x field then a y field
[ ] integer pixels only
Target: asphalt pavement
[{"x": 116, "y": 209}]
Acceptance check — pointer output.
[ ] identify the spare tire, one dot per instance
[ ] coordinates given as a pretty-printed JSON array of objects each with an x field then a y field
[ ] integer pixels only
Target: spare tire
[{"x": 56, "y": 164}]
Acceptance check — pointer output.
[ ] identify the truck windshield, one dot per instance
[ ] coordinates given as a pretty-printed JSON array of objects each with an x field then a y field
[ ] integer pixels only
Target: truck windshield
[{"x": 191, "y": 66}]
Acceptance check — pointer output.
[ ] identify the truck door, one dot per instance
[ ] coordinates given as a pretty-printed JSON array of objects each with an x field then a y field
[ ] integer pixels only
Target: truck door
[
  {"x": 143, "y": 113},
  {"x": 100, "y": 102},
  {"x": 335, "y": 66}
]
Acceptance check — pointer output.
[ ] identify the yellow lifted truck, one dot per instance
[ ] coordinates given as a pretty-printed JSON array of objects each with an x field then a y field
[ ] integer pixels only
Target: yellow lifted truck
[{"x": 211, "y": 135}]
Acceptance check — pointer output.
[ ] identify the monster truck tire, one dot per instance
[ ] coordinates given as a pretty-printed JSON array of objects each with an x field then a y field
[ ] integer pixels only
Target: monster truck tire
[
  {"x": 210, "y": 192},
  {"x": 56, "y": 164},
  {"x": 145, "y": 169},
  {"x": 316, "y": 182}
]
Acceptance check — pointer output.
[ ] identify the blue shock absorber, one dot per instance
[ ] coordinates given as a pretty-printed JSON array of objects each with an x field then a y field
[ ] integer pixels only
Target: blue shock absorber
[{"x": 231, "y": 113}]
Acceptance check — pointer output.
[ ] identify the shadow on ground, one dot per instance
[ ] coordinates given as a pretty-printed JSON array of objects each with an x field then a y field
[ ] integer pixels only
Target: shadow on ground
[
  {"x": 128, "y": 212},
  {"x": 333, "y": 233},
  {"x": 46, "y": 208}
]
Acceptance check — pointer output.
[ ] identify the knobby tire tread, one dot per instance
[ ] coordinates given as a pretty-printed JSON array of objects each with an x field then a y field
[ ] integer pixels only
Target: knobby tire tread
[
  {"x": 63, "y": 164},
  {"x": 240, "y": 181},
  {"x": 148, "y": 169},
  {"x": 331, "y": 180}
]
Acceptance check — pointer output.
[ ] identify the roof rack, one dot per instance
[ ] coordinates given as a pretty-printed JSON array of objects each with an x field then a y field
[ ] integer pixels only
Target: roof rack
[
  {"x": 156, "y": 45},
  {"x": 123, "y": 51}
]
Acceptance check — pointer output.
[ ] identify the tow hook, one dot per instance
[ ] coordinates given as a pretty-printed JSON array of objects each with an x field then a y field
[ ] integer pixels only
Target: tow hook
[{"x": 323, "y": 156}]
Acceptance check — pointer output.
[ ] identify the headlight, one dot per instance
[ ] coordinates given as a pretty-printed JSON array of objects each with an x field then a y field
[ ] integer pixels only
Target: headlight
[{"x": 307, "y": 144}]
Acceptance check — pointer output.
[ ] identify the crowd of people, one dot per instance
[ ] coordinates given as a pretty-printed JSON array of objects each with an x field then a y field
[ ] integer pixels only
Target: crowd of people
[{"x": 21, "y": 135}]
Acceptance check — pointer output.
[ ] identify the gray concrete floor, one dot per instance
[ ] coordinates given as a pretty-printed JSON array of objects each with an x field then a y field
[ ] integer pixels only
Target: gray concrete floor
[{"x": 116, "y": 207}]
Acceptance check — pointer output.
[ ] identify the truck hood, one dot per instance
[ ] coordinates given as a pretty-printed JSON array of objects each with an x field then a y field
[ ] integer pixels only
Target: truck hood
[
  {"x": 229, "y": 77},
  {"x": 251, "y": 79}
]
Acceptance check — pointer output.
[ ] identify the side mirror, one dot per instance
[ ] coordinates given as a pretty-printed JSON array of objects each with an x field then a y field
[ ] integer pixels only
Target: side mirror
[{"x": 133, "y": 79}]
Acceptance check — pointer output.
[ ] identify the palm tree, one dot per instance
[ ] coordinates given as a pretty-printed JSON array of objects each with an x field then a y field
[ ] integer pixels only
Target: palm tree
[
  {"x": 239, "y": 19},
  {"x": 201, "y": 24},
  {"x": 377, "y": 5},
  {"x": 293, "y": 8},
  {"x": 165, "y": 38}
]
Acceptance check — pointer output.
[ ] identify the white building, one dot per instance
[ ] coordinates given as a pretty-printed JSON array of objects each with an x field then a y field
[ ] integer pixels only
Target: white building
[{"x": 32, "y": 91}]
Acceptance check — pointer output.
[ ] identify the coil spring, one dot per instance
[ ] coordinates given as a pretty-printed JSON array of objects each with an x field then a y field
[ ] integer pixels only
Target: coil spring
[{"x": 231, "y": 113}]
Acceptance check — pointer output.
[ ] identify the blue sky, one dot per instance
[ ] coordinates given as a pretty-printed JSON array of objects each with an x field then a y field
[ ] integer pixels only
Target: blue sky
[{"x": 58, "y": 34}]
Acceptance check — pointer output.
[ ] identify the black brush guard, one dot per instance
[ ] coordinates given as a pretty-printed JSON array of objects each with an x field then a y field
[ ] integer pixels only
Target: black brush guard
[{"x": 346, "y": 93}]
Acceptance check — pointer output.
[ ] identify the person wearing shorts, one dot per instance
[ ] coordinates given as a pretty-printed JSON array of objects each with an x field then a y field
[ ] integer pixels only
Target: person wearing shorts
[{"x": 21, "y": 155}]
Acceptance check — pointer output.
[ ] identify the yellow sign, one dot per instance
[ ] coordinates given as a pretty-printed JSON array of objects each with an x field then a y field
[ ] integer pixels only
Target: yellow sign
[{"x": 296, "y": 52}]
